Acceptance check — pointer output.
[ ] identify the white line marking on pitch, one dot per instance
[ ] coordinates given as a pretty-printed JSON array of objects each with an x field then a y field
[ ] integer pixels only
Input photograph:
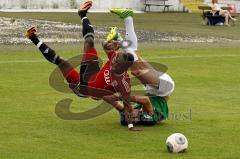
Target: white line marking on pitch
[
  {"x": 22, "y": 61},
  {"x": 149, "y": 58},
  {"x": 194, "y": 56}
]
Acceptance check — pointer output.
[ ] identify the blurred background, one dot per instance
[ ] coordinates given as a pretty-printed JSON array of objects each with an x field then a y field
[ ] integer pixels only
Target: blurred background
[{"x": 104, "y": 5}]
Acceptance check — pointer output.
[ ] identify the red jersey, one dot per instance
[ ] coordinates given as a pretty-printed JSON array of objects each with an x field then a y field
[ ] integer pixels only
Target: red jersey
[
  {"x": 101, "y": 83},
  {"x": 105, "y": 80}
]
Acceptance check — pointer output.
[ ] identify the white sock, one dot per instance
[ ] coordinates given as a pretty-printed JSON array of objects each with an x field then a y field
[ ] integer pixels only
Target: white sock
[
  {"x": 39, "y": 44},
  {"x": 131, "y": 35},
  {"x": 130, "y": 32}
]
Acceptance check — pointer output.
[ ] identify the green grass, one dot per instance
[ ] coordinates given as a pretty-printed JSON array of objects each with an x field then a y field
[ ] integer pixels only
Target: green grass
[
  {"x": 207, "y": 82},
  {"x": 164, "y": 22}
]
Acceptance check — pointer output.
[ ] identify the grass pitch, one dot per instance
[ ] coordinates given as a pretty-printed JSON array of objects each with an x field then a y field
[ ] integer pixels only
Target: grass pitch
[{"x": 207, "y": 85}]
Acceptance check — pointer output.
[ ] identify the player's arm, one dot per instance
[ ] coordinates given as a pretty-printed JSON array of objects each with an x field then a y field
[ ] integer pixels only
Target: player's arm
[
  {"x": 145, "y": 102},
  {"x": 124, "y": 88},
  {"x": 114, "y": 101}
]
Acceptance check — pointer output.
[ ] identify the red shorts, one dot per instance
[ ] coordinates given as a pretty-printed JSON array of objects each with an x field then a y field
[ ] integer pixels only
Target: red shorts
[{"x": 73, "y": 77}]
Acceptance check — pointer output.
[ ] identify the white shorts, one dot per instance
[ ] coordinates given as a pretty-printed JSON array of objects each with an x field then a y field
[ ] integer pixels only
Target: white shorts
[{"x": 166, "y": 86}]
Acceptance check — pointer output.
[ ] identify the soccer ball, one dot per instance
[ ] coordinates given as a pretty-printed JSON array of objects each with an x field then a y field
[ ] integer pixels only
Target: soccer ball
[{"x": 177, "y": 143}]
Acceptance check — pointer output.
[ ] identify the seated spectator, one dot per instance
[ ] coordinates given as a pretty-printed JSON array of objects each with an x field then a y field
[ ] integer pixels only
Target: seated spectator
[{"x": 216, "y": 10}]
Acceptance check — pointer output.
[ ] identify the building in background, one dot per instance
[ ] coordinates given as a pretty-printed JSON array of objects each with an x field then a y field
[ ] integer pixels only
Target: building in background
[{"x": 100, "y": 5}]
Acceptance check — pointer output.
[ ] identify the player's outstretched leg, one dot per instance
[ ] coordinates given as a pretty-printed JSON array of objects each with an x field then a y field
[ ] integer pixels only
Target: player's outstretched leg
[
  {"x": 90, "y": 63},
  {"x": 87, "y": 28},
  {"x": 66, "y": 68},
  {"x": 47, "y": 52},
  {"x": 127, "y": 15},
  {"x": 141, "y": 69}
]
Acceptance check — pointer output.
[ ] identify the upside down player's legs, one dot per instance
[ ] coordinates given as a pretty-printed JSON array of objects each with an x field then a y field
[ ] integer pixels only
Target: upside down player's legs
[
  {"x": 130, "y": 33},
  {"x": 141, "y": 69},
  {"x": 66, "y": 68},
  {"x": 131, "y": 36},
  {"x": 127, "y": 14},
  {"x": 89, "y": 63},
  {"x": 87, "y": 28},
  {"x": 145, "y": 73},
  {"x": 70, "y": 74}
]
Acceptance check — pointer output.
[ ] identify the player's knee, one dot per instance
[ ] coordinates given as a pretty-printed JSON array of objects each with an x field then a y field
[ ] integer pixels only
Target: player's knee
[
  {"x": 61, "y": 61},
  {"x": 89, "y": 43}
]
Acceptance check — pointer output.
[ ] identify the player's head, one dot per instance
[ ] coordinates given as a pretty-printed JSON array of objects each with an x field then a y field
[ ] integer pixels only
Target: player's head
[{"x": 122, "y": 62}]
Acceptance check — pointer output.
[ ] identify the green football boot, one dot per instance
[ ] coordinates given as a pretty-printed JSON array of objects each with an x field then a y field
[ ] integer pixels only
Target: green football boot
[
  {"x": 114, "y": 35},
  {"x": 122, "y": 12}
]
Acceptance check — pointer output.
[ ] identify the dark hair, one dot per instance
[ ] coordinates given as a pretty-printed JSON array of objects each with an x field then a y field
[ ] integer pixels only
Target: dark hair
[
  {"x": 124, "y": 61},
  {"x": 128, "y": 57}
]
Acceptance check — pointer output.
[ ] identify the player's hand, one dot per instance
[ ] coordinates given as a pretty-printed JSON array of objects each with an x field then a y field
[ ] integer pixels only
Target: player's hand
[
  {"x": 135, "y": 116},
  {"x": 135, "y": 129}
]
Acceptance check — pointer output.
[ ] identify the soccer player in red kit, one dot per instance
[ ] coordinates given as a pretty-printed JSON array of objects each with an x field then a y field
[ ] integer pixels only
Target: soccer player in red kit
[{"x": 93, "y": 81}]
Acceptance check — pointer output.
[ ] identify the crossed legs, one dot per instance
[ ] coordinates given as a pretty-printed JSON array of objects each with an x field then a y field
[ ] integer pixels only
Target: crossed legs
[{"x": 227, "y": 16}]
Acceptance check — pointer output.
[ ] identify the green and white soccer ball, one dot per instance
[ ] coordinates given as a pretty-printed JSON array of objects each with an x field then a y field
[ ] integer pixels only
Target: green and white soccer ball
[{"x": 177, "y": 143}]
